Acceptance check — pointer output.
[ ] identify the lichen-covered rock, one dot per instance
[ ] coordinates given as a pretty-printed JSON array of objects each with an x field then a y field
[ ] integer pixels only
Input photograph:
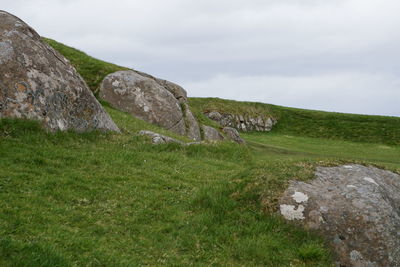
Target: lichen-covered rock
[
  {"x": 211, "y": 134},
  {"x": 144, "y": 98},
  {"x": 157, "y": 138},
  {"x": 242, "y": 123},
  {"x": 233, "y": 134},
  {"x": 151, "y": 99},
  {"x": 356, "y": 208},
  {"x": 36, "y": 82}
]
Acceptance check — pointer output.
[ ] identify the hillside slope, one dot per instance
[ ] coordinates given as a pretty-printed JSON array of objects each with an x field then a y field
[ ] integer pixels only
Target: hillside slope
[{"x": 291, "y": 121}]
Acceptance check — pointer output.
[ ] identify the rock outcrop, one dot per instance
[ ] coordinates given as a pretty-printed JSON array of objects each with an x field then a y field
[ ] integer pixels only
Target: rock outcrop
[
  {"x": 153, "y": 100},
  {"x": 211, "y": 134},
  {"x": 233, "y": 135},
  {"x": 356, "y": 208},
  {"x": 36, "y": 82},
  {"x": 242, "y": 123}
]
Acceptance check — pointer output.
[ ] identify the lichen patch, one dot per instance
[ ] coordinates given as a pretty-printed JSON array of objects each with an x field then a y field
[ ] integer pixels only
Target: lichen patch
[
  {"x": 291, "y": 213},
  {"x": 300, "y": 197}
]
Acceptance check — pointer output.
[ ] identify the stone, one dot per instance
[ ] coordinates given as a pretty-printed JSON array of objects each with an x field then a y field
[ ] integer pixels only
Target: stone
[
  {"x": 38, "y": 83},
  {"x": 233, "y": 134},
  {"x": 357, "y": 210},
  {"x": 143, "y": 98},
  {"x": 157, "y": 138},
  {"x": 211, "y": 134}
]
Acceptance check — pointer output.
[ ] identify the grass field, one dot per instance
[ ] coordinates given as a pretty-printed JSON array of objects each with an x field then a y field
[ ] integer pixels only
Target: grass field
[
  {"x": 100, "y": 199},
  {"x": 116, "y": 200}
]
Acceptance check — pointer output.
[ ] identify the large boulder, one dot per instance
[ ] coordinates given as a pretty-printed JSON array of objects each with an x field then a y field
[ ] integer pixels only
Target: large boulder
[
  {"x": 144, "y": 98},
  {"x": 356, "y": 208},
  {"x": 36, "y": 82},
  {"x": 151, "y": 99}
]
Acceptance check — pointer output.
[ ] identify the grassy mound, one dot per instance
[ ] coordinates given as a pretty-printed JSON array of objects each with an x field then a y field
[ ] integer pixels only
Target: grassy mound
[{"x": 310, "y": 123}]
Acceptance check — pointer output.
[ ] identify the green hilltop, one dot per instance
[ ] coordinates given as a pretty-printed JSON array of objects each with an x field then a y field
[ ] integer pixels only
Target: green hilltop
[{"x": 110, "y": 199}]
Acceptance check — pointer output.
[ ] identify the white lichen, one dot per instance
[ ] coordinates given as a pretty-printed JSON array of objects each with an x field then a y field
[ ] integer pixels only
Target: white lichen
[
  {"x": 300, "y": 197},
  {"x": 351, "y": 186},
  {"x": 61, "y": 125},
  {"x": 291, "y": 213},
  {"x": 368, "y": 179}
]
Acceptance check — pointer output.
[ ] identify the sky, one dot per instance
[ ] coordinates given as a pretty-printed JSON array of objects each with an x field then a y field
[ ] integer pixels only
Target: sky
[{"x": 333, "y": 55}]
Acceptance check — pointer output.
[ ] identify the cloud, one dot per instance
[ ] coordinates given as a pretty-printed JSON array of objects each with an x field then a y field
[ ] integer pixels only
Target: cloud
[{"x": 195, "y": 42}]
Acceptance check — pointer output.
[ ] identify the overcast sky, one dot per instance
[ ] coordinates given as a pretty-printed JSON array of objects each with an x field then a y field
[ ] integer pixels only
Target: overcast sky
[{"x": 334, "y": 55}]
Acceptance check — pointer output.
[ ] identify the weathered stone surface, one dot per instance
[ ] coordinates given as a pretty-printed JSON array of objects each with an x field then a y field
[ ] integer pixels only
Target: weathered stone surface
[
  {"x": 211, "y": 134},
  {"x": 157, "y": 138},
  {"x": 144, "y": 98},
  {"x": 233, "y": 134},
  {"x": 179, "y": 93},
  {"x": 36, "y": 82},
  {"x": 192, "y": 126},
  {"x": 242, "y": 123},
  {"x": 356, "y": 208}
]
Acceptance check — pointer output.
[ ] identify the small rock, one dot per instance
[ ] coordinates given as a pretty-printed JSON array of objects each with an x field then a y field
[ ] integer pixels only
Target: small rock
[
  {"x": 159, "y": 138},
  {"x": 233, "y": 134},
  {"x": 211, "y": 134}
]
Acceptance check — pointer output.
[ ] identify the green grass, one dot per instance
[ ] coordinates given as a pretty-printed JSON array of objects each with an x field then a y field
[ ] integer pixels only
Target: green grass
[
  {"x": 91, "y": 69},
  {"x": 100, "y": 199},
  {"x": 116, "y": 200}
]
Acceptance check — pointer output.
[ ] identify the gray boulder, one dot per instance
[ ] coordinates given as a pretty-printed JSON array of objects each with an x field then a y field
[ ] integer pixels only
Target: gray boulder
[
  {"x": 356, "y": 208},
  {"x": 233, "y": 134},
  {"x": 36, "y": 82},
  {"x": 211, "y": 134},
  {"x": 151, "y": 99},
  {"x": 144, "y": 98},
  {"x": 157, "y": 138}
]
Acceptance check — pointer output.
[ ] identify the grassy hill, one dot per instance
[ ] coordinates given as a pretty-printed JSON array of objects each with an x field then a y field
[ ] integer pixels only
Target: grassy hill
[
  {"x": 111, "y": 199},
  {"x": 310, "y": 123}
]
